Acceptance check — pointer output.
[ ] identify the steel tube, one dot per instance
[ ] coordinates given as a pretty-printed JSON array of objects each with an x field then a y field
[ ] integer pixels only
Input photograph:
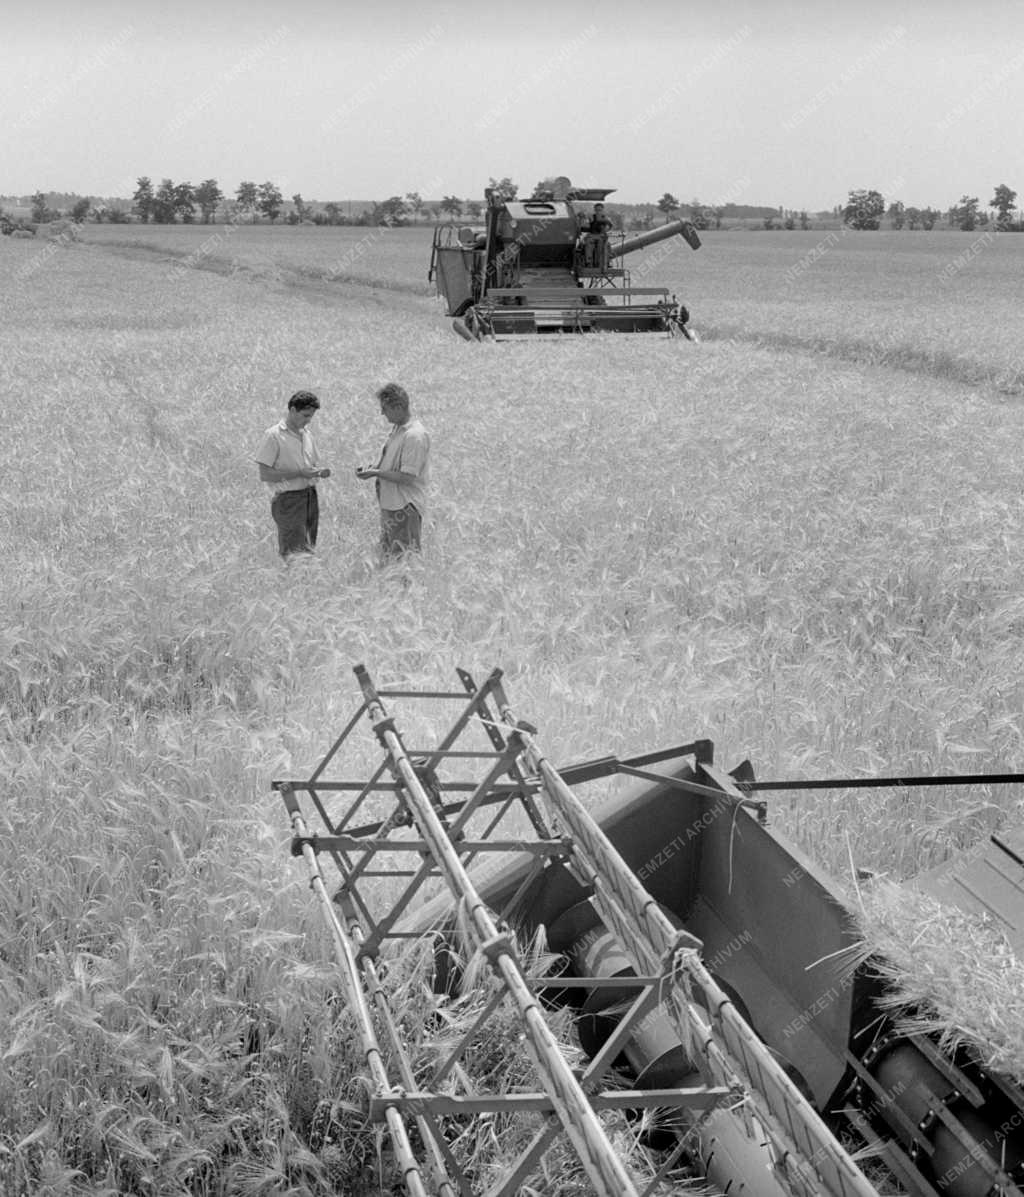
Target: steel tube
[
  {"x": 683, "y": 227},
  {"x": 578, "y": 1118},
  {"x": 345, "y": 954}
]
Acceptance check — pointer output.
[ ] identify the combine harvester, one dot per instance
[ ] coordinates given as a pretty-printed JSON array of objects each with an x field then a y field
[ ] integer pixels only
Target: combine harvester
[
  {"x": 701, "y": 959},
  {"x": 535, "y": 268}
]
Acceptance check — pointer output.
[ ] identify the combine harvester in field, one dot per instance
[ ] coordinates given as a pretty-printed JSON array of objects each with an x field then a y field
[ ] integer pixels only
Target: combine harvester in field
[
  {"x": 534, "y": 267},
  {"x": 700, "y": 956}
]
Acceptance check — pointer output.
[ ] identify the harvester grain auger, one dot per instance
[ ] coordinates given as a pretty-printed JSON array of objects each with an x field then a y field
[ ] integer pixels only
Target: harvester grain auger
[
  {"x": 535, "y": 266},
  {"x": 696, "y": 945}
]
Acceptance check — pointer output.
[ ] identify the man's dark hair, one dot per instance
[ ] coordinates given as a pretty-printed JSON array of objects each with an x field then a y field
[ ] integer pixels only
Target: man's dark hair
[
  {"x": 302, "y": 400},
  {"x": 391, "y": 392}
]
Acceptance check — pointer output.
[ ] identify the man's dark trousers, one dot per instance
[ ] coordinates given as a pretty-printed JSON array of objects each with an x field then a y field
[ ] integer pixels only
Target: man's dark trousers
[{"x": 297, "y": 515}]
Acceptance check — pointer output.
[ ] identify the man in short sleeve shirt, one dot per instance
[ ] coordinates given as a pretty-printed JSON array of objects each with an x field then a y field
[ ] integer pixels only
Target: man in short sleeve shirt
[
  {"x": 402, "y": 475},
  {"x": 290, "y": 464}
]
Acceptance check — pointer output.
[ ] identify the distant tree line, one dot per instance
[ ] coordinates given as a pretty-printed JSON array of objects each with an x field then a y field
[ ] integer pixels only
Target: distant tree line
[
  {"x": 866, "y": 209},
  {"x": 171, "y": 203}
]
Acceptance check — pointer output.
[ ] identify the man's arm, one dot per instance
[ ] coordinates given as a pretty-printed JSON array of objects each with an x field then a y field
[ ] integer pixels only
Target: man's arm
[
  {"x": 397, "y": 476},
  {"x": 270, "y": 474}
]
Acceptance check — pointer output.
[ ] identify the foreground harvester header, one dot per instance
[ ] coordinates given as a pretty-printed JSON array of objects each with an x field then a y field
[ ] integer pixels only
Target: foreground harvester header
[
  {"x": 550, "y": 264},
  {"x": 698, "y": 954}
]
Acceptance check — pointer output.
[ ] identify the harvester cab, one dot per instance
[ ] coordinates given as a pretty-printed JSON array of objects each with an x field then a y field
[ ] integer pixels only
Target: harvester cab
[{"x": 551, "y": 263}]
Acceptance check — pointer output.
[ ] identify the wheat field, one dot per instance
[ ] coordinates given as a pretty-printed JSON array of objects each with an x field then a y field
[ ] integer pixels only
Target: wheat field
[{"x": 800, "y": 538}]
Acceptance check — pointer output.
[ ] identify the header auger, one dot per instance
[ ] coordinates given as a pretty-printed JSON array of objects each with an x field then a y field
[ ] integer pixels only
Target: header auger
[
  {"x": 549, "y": 265},
  {"x": 698, "y": 955}
]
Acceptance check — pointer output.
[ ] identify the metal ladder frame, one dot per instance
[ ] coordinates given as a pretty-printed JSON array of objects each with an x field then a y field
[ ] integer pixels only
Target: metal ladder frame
[{"x": 735, "y": 1068}]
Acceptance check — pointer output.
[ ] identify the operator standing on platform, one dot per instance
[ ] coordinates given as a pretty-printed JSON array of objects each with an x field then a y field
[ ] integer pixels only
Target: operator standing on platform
[
  {"x": 599, "y": 222},
  {"x": 596, "y": 250},
  {"x": 290, "y": 464},
  {"x": 402, "y": 475}
]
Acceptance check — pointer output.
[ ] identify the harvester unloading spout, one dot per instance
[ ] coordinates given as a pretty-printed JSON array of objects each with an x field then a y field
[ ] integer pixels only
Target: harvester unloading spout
[
  {"x": 551, "y": 264},
  {"x": 684, "y": 228}
]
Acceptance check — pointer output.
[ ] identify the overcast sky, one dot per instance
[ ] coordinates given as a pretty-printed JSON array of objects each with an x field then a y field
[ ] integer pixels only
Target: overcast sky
[{"x": 787, "y": 102}]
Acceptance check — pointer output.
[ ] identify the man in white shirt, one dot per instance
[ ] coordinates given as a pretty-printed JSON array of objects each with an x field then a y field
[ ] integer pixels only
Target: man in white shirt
[
  {"x": 402, "y": 475},
  {"x": 290, "y": 464}
]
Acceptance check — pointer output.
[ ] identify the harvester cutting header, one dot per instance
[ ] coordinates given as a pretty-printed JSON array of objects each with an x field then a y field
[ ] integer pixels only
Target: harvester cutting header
[{"x": 549, "y": 264}]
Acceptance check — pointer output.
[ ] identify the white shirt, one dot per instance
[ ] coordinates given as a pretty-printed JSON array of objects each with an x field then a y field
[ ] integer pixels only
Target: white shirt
[
  {"x": 407, "y": 451},
  {"x": 282, "y": 449}
]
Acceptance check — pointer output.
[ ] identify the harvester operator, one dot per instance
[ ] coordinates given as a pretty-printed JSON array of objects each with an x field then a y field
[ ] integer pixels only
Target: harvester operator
[{"x": 595, "y": 246}]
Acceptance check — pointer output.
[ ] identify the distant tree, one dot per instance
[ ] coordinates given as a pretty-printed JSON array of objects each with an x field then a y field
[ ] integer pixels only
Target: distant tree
[
  {"x": 504, "y": 189},
  {"x": 928, "y": 218},
  {"x": 300, "y": 209},
  {"x": 769, "y": 223},
  {"x": 270, "y": 201},
  {"x": 80, "y": 210},
  {"x": 1003, "y": 202},
  {"x": 115, "y": 214},
  {"x": 897, "y": 214},
  {"x": 805, "y": 221},
  {"x": 864, "y": 209},
  {"x": 414, "y": 202},
  {"x": 185, "y": 202},
  {"x": 333, "y": 213},
  {"x": 451, "y": 205},
  {"x": 698, "y": 214},
  {"x": 913, "y": 217},
  {"x": 40, "y": 212},
  {"x": 473, "y": 209},
  {"x": 667, "y": 204},
  {"x": 163, "y": 203},
  {"x": 142, "y": 200},
  {"x": 964, "y": 215},
  {"x": 208, "y": 196},
  {"x": 247, "y": 197},
  {"x": 392, "y": 211},
  {"x": 716, "y": 214}
]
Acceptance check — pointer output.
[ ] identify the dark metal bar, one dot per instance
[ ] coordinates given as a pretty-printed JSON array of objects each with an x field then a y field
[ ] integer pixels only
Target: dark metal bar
[
  {"x": 605, "y": 766},
  {"x": 871, "y": 783}
]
